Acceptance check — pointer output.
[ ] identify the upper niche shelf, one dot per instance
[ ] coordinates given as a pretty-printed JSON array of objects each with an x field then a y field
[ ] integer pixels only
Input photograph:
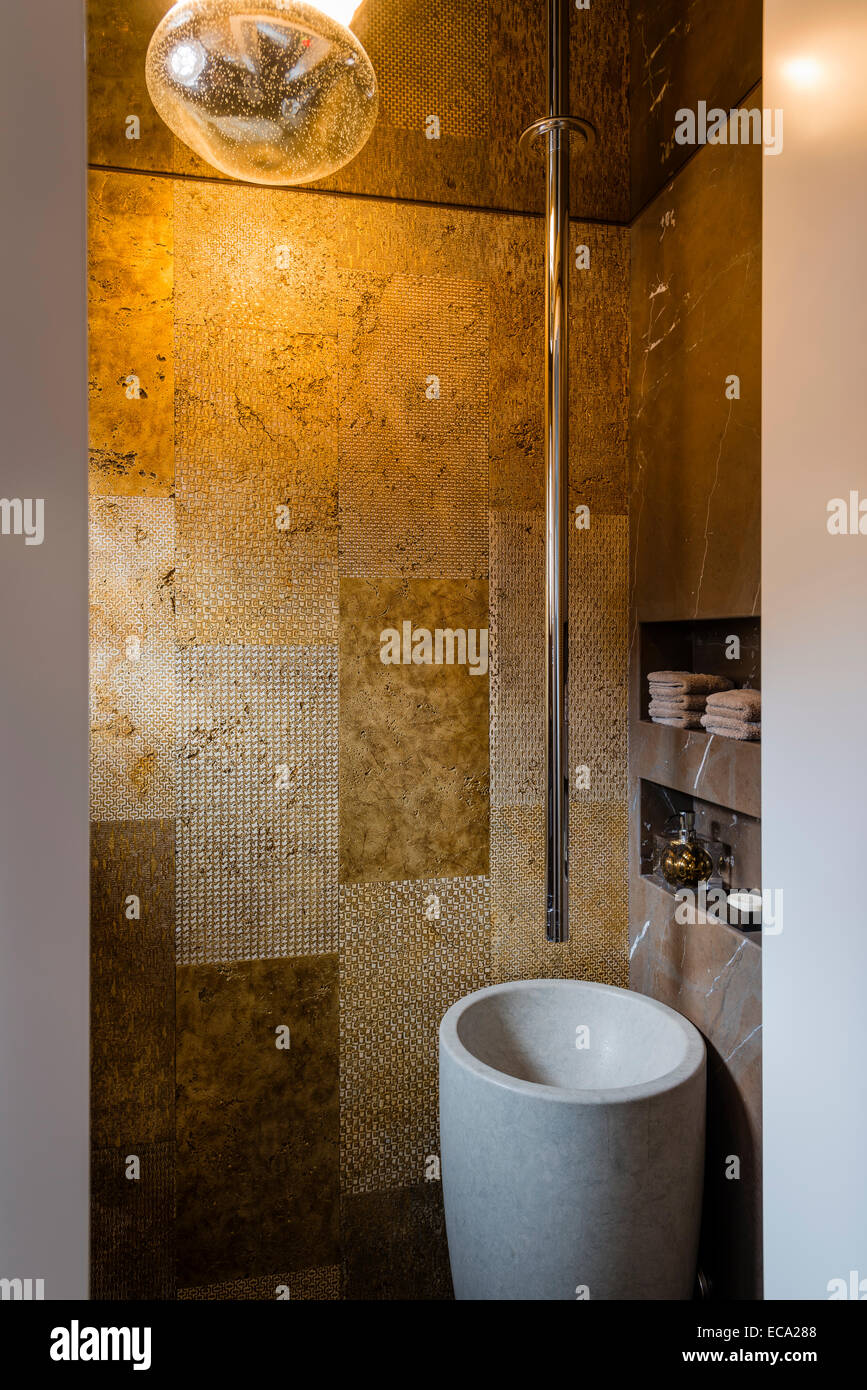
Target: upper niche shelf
[{"x": 716, "y": 769}]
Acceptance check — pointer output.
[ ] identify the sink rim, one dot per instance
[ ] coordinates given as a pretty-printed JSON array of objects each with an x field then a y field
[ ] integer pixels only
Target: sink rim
[{"x": 693, "y": 1062}]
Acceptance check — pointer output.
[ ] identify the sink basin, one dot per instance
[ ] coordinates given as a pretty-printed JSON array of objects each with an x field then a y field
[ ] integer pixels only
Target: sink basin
[{"x": 572, "y": 1123}]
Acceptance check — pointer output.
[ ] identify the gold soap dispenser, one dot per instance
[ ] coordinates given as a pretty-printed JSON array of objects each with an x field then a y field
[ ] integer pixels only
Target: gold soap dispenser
[{"x": 684, "y": 861}]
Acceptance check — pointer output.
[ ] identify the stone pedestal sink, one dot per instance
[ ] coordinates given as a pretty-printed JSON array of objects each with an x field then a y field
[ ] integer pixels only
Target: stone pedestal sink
[{"x": 572, "y": 1121}]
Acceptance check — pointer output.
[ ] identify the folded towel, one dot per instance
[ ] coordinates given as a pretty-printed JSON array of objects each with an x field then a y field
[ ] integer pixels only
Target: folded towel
[
  {"x": 741, "y": 730},
  {"x": 690, "y": 719},
  {"x": 676, "y": 704},
  {"x": 736, "y": 704},
  {"x": 685, "y": 683}
]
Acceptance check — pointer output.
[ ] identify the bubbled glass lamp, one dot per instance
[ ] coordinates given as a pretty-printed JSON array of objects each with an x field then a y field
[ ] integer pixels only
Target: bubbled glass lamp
[{"x": 269, "y": 91}]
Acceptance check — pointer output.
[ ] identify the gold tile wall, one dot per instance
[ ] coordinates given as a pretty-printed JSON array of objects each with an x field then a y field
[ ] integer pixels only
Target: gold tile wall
[
  {"x": 407, "y": 952},
  {"x": 479, "y": 65},
  {"x": 282, "y": 489}
]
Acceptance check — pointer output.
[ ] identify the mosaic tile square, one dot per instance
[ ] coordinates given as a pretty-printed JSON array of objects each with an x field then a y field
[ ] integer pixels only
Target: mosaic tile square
[
  {"x": 132, "y": 656},
  {"x": 598, "y": 921},
  {"x": 395, "y": 1245},
  {"x": 414, "y": 357},
  {"x": 257, "y": 486},
  {"x": 257, "y": 829},
  {"x": 392, "y": 937},
  {"x": 250, "y": 257}
]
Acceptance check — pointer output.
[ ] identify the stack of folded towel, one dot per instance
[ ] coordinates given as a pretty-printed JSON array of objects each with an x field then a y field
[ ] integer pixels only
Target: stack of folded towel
[
  {"x": 677, "y": 698},
  {"x": 734, "y": 714}
]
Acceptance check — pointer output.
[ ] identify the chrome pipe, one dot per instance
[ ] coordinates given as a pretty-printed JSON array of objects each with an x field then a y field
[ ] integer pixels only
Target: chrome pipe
[{"x": 557, "y": 477}]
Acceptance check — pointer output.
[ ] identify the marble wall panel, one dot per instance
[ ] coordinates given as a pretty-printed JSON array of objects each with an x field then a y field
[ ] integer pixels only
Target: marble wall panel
[
  {"x": 711, "y": 972},
  {"x": 683, "y": 52},
  {"x": 696, "y": 322}
]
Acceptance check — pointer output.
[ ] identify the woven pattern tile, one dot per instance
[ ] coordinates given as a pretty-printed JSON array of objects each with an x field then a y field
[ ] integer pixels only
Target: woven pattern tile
[
  {"x": 597, "y": 658},
  {"x": 132, "y": 721},
  {"x": 322, "y": 1285},
  {"x": 132, "y": 1223},
  {"x": 598, "y": 623},
  {"x": 517, "y": 658},
  {"x": 248, "y": 257},
  {"x": 407, "y": 952},
  {"x": 414, "y": 356},
  {"x": 257, "y": 834},
  {"x": 256, "y": 463},
  {"x": 598, "y": 922},
  {"x": 431, "y": 60}
]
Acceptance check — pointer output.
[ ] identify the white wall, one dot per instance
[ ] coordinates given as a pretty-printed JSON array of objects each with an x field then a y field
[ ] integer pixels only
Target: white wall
[
  {"x": 815, "y": 648},
  {"x": 43, "y": 653}
]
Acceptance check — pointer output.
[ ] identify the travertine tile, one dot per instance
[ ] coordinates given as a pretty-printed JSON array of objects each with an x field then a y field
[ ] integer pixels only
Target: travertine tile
[
  {"x": 118, "y": 34},
  {"x": 257, "y": 486},
  {"x": 394, "y": 1245},
  {"x": 132, "y": 659},
  {"x": 130, "y": 279},
  {"x": 414, "y": 362},
  {"x": 407, "y": 952},
  {"x": 413, "y": 738},
  {"x": 257, "y": 830},
  {"x": 132, "y": 983},
  {"x": 257, "y": 1135}
]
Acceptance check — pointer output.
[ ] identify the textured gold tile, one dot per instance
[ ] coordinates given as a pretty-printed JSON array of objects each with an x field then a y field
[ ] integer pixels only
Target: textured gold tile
[
  {"x": 414, "y": 427},
  {"x": 598, "y": 630},
  {"x": 132, "y": 657},
  {"x": 407, "y": 952},
  {"x": 597, "y": 658},
  {"x": 118, "y": 34},
  {"x": 257, "y": 486},
  {"x": 430, "y": 59},
  {"x": 252, "y": 257},
  {"x": 599, "y": 369},
  {"x": 413, "y": 738},
  {"x": 257, "y": 1124},
  {"x": 322, "y": 1285},
  {"x": 517, "y": 658},
  {"x": 257, "y": 829},
  {"x": 598, "y": 921},
  {"x": 132, "y": 1239},
  {"x": 130, "y": 277},
  {"x": 132, "y": 983}
]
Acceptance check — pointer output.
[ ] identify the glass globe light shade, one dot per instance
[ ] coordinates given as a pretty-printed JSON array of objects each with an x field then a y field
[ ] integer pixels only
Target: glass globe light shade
[{"x": 269, "y": 91}]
